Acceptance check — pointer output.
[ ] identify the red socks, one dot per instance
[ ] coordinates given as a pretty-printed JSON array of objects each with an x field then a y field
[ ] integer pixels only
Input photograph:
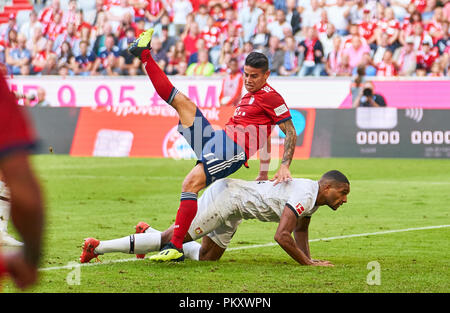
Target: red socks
[
  {"x": 162, "y": 84},
  {"x": 185, "y": 215}
]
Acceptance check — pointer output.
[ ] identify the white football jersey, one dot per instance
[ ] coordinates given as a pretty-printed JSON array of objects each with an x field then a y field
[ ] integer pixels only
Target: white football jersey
[{"x": 261, "y": 200}]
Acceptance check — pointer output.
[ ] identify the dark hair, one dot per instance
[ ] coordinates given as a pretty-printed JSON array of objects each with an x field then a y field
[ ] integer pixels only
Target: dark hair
[
  {"x": 257, "y": 60},
  {"x": 335, "y": 176}
]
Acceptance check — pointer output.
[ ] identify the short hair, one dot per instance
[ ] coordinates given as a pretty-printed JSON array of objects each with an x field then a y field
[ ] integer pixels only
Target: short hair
[
  {"x": 335, "y": 176},
  {"x": 257, "y": 60}
]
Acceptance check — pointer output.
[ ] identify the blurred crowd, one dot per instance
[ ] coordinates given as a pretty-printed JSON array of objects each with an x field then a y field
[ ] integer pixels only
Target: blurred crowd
[{"x": 195, "y": 37}]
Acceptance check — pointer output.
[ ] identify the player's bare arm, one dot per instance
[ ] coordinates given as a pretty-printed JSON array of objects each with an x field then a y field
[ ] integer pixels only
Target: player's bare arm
[
  {"x": 283, "y": 174},
  {"x": 301, "y": 235},
  {"x": 283, "y": 236},
  {"x": 264, "y": 161}
]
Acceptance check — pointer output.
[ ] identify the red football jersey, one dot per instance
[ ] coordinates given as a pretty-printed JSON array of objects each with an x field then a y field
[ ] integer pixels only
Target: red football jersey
[
  {"x": 254, "y": 118},
  {"x": 15, "y": 134}
]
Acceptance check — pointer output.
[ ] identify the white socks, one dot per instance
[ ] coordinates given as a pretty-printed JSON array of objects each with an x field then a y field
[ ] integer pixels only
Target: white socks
[
  {"x": 133, "y": 244},
  {"x": 191, "y": 250},
  {"x": 144, "y": 243}
]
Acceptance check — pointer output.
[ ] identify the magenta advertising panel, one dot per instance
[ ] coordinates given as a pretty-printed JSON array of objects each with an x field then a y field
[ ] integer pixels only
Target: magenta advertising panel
[{"x": 411, "y": 94}]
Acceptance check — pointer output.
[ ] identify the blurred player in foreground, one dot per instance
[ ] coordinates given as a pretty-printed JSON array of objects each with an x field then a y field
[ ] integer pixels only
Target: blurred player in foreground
[
  {"x": 16, "y": 140},
  {"x": 223, "y": 206},
  {"x": 222, "y": 152}
]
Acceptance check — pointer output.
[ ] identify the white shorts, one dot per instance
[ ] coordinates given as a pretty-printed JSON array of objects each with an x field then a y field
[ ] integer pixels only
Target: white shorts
[{"x": 218, "y": 222}]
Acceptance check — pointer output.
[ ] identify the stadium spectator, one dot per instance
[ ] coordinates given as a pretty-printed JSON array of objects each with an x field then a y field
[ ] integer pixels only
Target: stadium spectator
[
  {"x": 128, "y": 64},
  {"x": 338, "y": 15},
  {"x": 434, "y": 27},
  {"x": 390, "y": 26},
  {"x": 177, "y": 60},
  {"x": 355, "y": 51},
  {"x": 334, "y": 57},
  {"x": 327, "y": 38},
  {"x": 408, "y": 26},
  {"x": 260, "y": 38},
  {"x": 357, "y": 12},
  {"x": 100, "y": 39},
  {"x": 222, "y": 61},
  {"x": 275, "y": 55},
  {"x": 85, "y": 60},
  {"x": 436, "y": 70},
  {"x": 28, "y": 27},
  {"x": 387, "y": 66},
  {"x": 311, "y": 54},
  {"x": 153, "y": 11},
  {"x": 70, "y": 15},
  {"x": 344, "y": 68},
  {"x": 290, "y": 65},
  {"x": 367, "y": 29},
  {"x": 293, "y": 16},
  {"x": 202, "y": 67},
  {"x": 117, "y": 13},
  {"x": 400, "y": 8},
  {"x": 165, "y": 21},
  {"x": 181, "y": 8},
  {"x": 107, "y": 62},
  {"x": 311, "y": 15},
  {"x": 48, "y": 15},
  {"x": 66, "y": 60},
  {"x": 44, "y": 62},
  {"x": 201, "y": 17},
  {"x": 232, "y": 83},
  {"x": 158, "y": 54},
  {"x": 55, "y": 27},
  {"x": 7, "y": 27},
  {"x": 81, "y": 23},
  {"x": 70, "y": 36},
  {"x": 420, "y": 36},
  {"x": 406, "y": 58},
  {"x": 191, "y": 36},
  {"x": 368, "y": 98},
  {"x": 428, "y": 12},
  {"x": 38, "y": 42},
  {"x": 279, "y": 26},
  {"x": 382, "y": 46},
  {"x": 248, "y": 18},
  {"x": 367, "y": 64},
  {"x": 444, "y": 42},
  {"x": 18, "y": 57},
  {"x": 167, "y": 41},
  {"x": 427, "y": 55}
]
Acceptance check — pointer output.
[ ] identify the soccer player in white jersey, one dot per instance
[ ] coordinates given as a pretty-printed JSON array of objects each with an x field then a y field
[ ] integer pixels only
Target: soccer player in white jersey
[
  {"x": 5, "y": 212},
  {"x": 223, "y": 206}
]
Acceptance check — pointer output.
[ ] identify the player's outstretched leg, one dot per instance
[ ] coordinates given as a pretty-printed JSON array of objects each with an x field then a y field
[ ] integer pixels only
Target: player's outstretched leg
[
  {"x": 5, "y": 210},
  {"x": 185, "y": 108}
]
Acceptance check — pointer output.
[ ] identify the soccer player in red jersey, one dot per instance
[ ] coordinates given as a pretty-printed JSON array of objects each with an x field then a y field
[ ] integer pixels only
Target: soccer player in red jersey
[
  {"x": 16, "y": 139},
  {"x": 222, "y": 152}
]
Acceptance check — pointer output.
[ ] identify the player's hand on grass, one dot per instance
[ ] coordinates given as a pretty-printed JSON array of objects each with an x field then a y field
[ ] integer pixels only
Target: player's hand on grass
[
  {"x": 283, "y": 175},
  {"x": 23, "y": 273},
  {"x": 322, "y": 263}
]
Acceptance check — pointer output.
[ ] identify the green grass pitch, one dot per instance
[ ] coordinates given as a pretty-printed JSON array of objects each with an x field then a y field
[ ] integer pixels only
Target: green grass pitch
[{"x": 106, "y": 197}]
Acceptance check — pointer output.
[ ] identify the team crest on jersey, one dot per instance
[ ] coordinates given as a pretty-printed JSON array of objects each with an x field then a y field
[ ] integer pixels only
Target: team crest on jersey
[
  {"x": 198, "y": 231},
  {"x": 299, "y": 208}
]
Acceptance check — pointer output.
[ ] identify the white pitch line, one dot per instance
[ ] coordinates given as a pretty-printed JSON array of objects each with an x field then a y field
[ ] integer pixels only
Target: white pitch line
[{"x": 71, "y": 266}]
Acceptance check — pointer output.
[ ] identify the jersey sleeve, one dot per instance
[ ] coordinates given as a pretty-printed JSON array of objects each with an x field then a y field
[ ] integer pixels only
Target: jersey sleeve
[
  {"x": 15, "y": 132},
  {"x": 301, "y": 202},
  {"x": 275, "y": 107}
]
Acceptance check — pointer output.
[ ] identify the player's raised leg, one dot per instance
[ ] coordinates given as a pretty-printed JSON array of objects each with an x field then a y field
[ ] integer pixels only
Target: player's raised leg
[
  {"x": 141, "y": 243},
  {"x": 5, "y": 209},
  {"x": 185, "y": 108}
]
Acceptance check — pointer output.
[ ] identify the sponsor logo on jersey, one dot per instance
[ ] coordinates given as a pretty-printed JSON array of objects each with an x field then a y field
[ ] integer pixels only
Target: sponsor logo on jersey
[
  {"x": 299, "y": 208},
  {"x": 198, "y": 231},
  {"x": 281, "y": 109}
]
